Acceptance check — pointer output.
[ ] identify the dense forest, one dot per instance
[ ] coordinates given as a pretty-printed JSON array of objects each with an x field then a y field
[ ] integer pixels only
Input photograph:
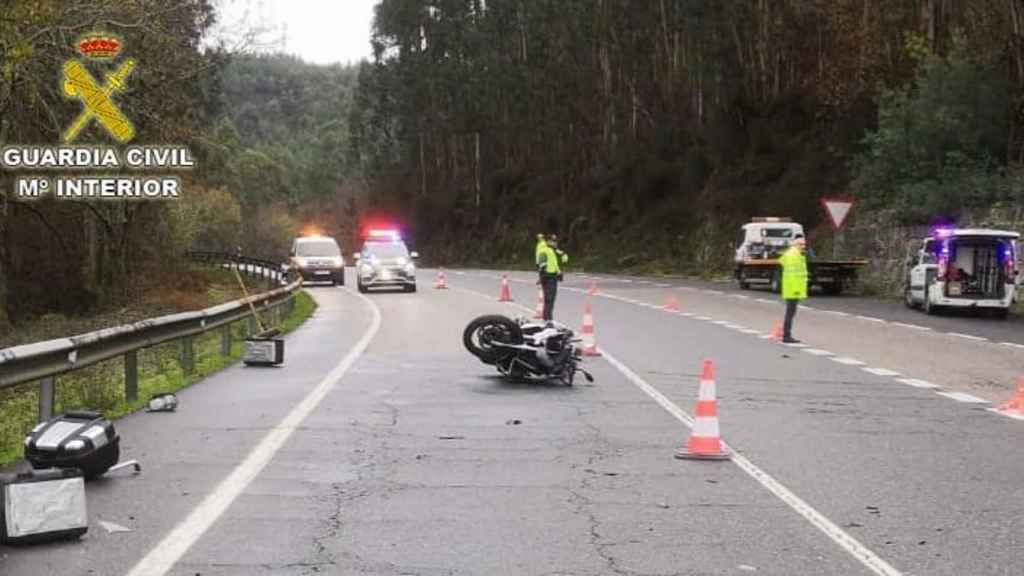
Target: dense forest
[
  {"x": 646, "y": 131},
  {"x": 643, "y": 132}
]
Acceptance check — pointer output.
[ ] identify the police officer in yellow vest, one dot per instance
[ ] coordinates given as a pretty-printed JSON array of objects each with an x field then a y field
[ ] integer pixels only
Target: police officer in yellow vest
[
  {"x": 539, "y": 247},
  {"x": 549, "y": 266},
  {"x": 794, "y": 283}
]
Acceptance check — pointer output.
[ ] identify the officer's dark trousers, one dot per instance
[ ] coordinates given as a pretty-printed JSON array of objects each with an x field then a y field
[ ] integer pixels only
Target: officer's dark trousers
[
  {"x": 791, "y": 306},
  {"x": 549, "y": 283}
]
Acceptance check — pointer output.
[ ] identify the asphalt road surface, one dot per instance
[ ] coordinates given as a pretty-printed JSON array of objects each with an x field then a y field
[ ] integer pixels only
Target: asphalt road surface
[{"x": 381, "y": 447}]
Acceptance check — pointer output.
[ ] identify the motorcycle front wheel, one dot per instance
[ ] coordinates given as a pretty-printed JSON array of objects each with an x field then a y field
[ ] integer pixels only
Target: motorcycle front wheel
[{"x": 483, "y": 334}]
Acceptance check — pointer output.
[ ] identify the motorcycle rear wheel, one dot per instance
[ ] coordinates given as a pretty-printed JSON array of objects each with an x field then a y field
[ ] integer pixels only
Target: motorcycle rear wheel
[{"x": 482, "y": 333}]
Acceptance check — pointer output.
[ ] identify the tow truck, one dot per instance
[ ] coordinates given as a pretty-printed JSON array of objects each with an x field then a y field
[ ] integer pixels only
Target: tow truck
[
  {"x": 764, "y": 239},
  {"x": 973, "y": 268}
]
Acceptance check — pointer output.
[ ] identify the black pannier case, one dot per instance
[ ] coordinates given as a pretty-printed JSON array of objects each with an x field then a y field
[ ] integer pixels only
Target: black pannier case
[
  {"x": 83, "y": 440},
  {"x": 42, "y": 506},
  {"x": 263, "y": 351}
]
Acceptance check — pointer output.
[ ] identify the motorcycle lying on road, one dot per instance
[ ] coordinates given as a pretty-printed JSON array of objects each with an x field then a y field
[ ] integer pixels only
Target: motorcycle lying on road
[{"x": 525, "y": 350}]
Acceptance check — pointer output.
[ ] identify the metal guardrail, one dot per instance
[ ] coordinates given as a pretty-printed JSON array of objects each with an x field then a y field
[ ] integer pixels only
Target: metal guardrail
[{"x": 44, "y": 361}]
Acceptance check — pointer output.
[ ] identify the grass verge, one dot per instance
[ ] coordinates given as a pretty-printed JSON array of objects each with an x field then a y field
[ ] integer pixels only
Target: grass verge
[{"x": 101, "y": 386}]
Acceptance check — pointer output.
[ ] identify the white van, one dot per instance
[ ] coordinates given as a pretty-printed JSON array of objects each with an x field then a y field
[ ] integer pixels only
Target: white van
[{"x": 964, "y": 268}]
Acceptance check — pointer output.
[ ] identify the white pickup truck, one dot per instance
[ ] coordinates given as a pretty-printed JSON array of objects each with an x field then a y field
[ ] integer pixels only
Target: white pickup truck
[{"x": 963, "y": 268}]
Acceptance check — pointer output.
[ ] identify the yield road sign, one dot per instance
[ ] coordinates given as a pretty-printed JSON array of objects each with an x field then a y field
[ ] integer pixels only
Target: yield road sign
[{"x": 838, "y": 209}]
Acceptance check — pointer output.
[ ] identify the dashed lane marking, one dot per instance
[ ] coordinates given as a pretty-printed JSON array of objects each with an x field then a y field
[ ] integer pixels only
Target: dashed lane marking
[
  {"x": 963, "y": 397},
  {"x": 162, "y": 558},
  {"x": 917, "y": 383},
  {"x": 869, "y": 318},
  {"x": 845, "y": 541},
  {"x": 818, "y": 352},
  {"x": 1012, "y": 345},
  {"x": 912, "y": 326},
  {"x": 968, "y": 336},
  {"x": 847, "y": 361},
  {"x": 881, "y": 371}
]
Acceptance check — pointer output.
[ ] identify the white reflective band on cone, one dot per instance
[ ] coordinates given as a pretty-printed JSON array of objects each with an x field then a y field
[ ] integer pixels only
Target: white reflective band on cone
[
  {"x": 704, "y": 427},
  {"x": 707, "y": 390}
]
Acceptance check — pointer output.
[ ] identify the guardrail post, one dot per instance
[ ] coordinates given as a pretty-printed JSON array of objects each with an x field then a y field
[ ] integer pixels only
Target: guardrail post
[
  {"x": 47, "y": 388},
  {"x": 131, "y": 376},
  {"x": 186, "y": 354},
  {"x": 225, "y": 340}
]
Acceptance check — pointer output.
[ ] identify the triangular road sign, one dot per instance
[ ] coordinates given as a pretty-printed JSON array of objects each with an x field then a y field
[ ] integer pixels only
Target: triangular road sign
[{"x": 838, "y": 210}]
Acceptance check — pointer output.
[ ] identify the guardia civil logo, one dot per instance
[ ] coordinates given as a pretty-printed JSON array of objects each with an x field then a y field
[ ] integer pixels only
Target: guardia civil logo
[{"x": 98, "y": 103}]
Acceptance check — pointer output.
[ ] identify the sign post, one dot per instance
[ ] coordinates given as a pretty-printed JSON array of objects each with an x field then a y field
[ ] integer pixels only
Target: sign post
[{"x": 837, "y": 209}]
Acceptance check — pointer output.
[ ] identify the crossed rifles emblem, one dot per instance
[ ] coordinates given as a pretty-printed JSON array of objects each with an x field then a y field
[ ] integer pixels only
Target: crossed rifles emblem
[{"x": 97, "y": 100}]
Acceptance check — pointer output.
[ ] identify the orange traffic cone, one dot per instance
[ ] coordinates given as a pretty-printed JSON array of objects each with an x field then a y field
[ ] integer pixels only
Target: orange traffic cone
[
  {"x": 506, "y": 294},
  {"x": 705, "y": 442},
  {"x": 539, "y": 310},
  {"x": 589, "y": 341},
  {"x": 1017, "y": 404},
  {"x": 777, "y": 332},
  {"x": 593, "y": 289},
  {"x": 442, "y": 282},
  {"x": 671, "y": 303}
]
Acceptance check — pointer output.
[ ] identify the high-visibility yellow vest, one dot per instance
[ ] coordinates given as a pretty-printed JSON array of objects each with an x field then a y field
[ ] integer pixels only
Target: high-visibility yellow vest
[
  {"x": 550, "y": 258},
  {"x": 794, "y": 274}
]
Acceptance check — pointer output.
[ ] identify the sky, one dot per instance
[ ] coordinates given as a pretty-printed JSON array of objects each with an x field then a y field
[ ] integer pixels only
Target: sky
[{"x": 318, "y": 31}]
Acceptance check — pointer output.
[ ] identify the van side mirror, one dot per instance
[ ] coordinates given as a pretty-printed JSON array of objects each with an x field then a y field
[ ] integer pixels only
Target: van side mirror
[{"x": 414, "y": 255}]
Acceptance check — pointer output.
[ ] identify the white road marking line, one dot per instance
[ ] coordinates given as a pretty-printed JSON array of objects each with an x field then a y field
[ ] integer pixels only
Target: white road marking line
[
  {"x": 881, "y": 371},
  {"x": 842, "y": 539},
  {"x": 750, "y": 331},
  {"x": 661, "y": 285},
  {"x": 797, "y": 345},
  {"x": 847, "y": 361},
  {"x": 687, "y": 314},
  {"x": 162, "y": 557},
  {"x": 721, "y": 322},
  {"x": 1008, "y": 413},
  {"x": 818, "y": 352},
  {"x": 704, "y": 318},
  {"x": 836, "y": 312},
  {"x": 811, "y": 308},
  {"x": 963, "y": 397},
  {"x": 740, "y": 296},
  {"x": 1012, "y": 344},
  {"x": 765, "y": 336},
  {"x": 912, "y": 326},
  {"x": 968, "y": 336},
  {"x": 917, "y": 383},
  {"x": 764, "y": 301},
  {"x": 869, "y": 318}
]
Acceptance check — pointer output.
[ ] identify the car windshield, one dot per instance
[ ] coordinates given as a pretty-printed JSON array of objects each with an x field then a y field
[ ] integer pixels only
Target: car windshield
[
  {"x": 777, "y": 232},
  {"x": 386, "y": 250},
  {"x": 317, "y": 248}
]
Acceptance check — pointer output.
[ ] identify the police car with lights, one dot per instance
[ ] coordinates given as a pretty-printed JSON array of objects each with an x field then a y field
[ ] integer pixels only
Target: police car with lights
[
  {"x": 317, "y": 259},
  {"x": 385, "y": 262}
]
